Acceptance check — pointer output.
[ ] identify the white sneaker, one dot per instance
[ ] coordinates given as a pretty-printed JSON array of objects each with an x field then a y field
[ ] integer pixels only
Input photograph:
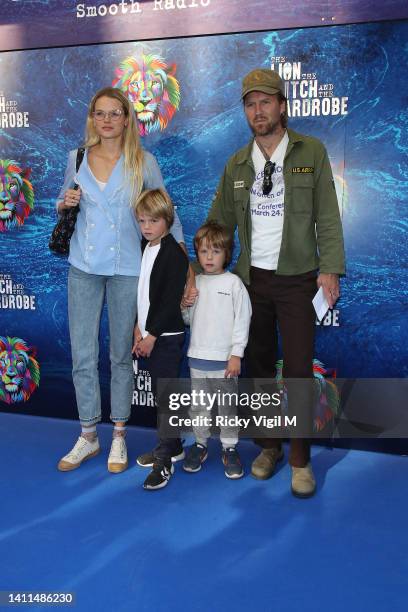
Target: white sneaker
[
  {"x": 118, "y": 461},
  {"x": 83, "y": 449}
]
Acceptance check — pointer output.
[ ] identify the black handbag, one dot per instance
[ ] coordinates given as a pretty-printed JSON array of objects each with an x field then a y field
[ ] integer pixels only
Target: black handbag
[{"x": 64, "y": 228}]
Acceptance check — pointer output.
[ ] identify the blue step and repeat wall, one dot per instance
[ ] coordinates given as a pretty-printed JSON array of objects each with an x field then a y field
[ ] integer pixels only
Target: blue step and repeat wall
[{"x": 345, "y": 81}]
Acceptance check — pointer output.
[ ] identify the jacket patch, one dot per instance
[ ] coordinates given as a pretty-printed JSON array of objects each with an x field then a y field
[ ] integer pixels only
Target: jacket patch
[
  {"x": 238, "y": 184},
  {"x": 302, "y": 170}
]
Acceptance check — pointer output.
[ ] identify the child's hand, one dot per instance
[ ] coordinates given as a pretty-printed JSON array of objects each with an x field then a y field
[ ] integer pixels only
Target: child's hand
[
  {"x": 189, "y": 296},
  {"x": 233, "y": 367},
  {"x": 190, "y": 291},
  {"x": 145, "y": 346},
  {"x": 137, "y": 337}
]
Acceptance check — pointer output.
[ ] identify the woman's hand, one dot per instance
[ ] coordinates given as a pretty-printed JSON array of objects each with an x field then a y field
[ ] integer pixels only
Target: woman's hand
[{"x": 71, "y": 198}]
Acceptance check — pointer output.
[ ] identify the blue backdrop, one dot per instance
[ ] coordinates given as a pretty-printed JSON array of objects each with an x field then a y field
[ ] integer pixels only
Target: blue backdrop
[{"x": 47, "y": 92}]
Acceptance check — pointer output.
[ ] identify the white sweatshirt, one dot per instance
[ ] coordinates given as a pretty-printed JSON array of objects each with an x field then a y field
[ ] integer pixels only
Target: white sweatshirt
[{"x": 220, "y": 317}]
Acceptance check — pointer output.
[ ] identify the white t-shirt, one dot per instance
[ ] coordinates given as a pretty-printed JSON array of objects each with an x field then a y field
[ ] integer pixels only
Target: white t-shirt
[
  {"x": 267, "y": 211},
  {"x": 101, "y": 184},
  {"x": 143, "y": 301}
]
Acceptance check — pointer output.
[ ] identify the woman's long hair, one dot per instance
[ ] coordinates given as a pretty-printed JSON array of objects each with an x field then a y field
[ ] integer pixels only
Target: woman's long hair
[{"x": 131, "y": 145}]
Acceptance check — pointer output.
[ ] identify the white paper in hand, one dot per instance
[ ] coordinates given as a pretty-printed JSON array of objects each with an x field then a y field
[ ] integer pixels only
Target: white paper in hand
[{"x": 320, "y": 304}]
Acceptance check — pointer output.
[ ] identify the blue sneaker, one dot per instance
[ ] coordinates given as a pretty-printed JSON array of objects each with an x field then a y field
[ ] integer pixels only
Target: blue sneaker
[
  {"x": 196, "y": 455},
  {"x": 232, "y": 463}
]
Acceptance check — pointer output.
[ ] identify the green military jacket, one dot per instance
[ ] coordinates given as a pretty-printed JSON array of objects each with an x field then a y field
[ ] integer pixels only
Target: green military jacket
[{"x": 312, "y": 236}]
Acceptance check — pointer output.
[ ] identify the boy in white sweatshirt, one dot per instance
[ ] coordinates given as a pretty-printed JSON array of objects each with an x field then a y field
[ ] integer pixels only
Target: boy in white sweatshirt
[{"x": 219, "y": 321}]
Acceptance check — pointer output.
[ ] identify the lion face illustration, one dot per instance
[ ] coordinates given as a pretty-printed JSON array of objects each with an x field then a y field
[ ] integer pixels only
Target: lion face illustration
[
  {"x": 19, "y": 370},
  {"x": 327, "y": 398},
  {"x": 150, "y": 85},
  {"x": 16, "y": 194}
]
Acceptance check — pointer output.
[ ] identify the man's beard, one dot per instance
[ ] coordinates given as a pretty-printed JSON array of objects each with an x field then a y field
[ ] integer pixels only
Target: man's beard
[{"x": 266, "y": 129}]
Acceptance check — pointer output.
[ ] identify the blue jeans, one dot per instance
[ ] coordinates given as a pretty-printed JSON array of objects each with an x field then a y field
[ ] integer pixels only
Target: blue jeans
[{"x": 86, "y": 294}]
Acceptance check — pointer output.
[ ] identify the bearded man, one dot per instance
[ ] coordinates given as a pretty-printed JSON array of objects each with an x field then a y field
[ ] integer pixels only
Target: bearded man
[{"x": 279, "y": 192}]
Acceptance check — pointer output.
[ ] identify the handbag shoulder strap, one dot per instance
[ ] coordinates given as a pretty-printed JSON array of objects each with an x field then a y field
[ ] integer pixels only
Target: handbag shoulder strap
[{"x": 79, "y": 157}]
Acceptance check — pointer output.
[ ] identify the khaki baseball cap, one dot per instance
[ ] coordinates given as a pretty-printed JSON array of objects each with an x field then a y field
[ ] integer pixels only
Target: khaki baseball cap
[{"x": 262, "y": 79}]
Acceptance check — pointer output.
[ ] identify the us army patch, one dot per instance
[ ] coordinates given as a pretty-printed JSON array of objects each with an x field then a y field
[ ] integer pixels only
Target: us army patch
[
  {"x": 302, "y": 170},
  {"x": 238, "y": 184}
]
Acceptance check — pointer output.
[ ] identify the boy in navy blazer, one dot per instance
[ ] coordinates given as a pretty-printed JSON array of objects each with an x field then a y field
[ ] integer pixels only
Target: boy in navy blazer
[{"x": 159, "y": 332}]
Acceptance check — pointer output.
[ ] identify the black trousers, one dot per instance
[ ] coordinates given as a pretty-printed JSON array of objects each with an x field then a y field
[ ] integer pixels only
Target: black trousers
[
  {"x": 283, "y": 304},
  {"x": 164, "y": 362}
]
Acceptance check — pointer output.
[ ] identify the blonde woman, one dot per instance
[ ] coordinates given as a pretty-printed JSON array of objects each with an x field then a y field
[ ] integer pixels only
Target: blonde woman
[{"x": 105, "y": 258}]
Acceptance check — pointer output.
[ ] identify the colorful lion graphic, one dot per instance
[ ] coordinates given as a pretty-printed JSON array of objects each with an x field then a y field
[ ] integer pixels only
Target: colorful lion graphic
[
  {"x": 150, "y": 84},
  {"x": 328, "y": 403},
  {"x": 16, "y": 194},
  {"x": 19, "y": 370}
]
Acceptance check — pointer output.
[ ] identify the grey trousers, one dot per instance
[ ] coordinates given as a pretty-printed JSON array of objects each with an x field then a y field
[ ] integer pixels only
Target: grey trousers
[{"x": 213, "y": 382}]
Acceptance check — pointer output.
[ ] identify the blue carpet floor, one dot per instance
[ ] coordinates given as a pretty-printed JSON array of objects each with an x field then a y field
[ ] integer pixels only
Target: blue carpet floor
[{"x": 204, "y": 543}]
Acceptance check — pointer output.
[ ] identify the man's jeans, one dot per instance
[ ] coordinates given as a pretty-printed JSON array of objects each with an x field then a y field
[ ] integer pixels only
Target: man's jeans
[{"x": 86, "y": 294}]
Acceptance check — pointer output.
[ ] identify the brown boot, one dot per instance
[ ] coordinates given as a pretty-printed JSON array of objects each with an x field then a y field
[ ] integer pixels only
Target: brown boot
[
  {"x": 264, "y": 465},
  {"x": 303, "y": 482}
]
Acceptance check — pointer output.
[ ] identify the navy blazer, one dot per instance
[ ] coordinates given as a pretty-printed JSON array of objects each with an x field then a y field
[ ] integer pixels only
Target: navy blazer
[{"x": 167, "y": 282}]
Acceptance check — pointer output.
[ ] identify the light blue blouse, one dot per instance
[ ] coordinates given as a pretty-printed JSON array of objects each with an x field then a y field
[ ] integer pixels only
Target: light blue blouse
[{"x": 107, "y": 237}]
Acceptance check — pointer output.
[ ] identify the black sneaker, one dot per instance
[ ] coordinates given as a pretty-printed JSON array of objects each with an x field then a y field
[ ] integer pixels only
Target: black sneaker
[
  {"x": 147, "y": 459},
  {"x": 159, "y": 476},
  {"x": 196, "y": 455},
  {"x": 232, "y": 463}
]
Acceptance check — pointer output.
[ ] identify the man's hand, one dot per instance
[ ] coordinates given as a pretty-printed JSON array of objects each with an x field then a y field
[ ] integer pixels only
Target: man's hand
[
  {"x": 331, "y": 287},
  {"x": 144, "y": 347},
  {"x": 233, "y": 367}
]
